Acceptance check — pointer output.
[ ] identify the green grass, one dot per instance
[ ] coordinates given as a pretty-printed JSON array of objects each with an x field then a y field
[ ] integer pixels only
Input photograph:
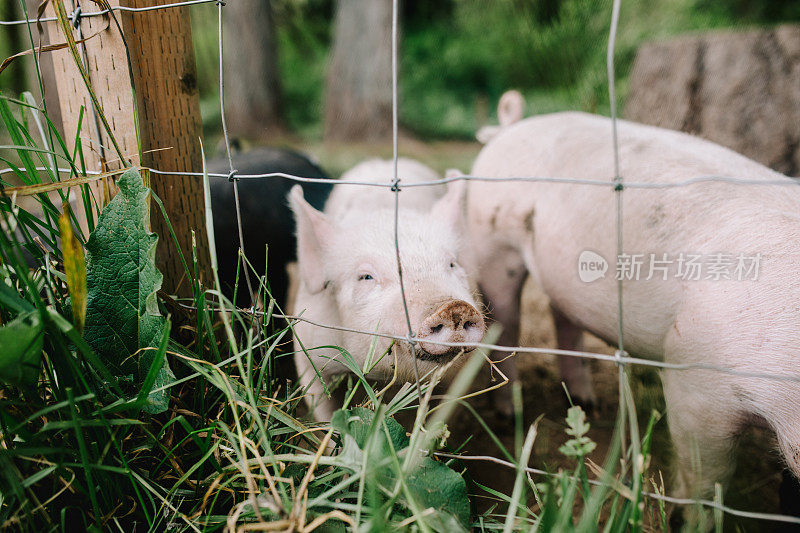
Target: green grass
[
  {"x": 86, "y": 443},
  {"x": 91, "y": 442}
]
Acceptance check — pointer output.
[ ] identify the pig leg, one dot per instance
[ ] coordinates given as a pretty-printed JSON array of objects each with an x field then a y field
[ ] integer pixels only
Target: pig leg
[
  {"x": 501, "y": 285},
  {"x": 574, "y": 371},
  {"x": 704, "y": 430},
  {"x": 785, "y": 421}
]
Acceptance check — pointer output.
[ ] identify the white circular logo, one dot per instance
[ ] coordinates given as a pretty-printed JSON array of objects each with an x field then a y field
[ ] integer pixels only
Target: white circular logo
[{"x": 591, "y": 266}]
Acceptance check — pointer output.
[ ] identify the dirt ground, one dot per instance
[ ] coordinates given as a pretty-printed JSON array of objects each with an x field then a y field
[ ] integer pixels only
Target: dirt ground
[{"x": 758, "y": 471}]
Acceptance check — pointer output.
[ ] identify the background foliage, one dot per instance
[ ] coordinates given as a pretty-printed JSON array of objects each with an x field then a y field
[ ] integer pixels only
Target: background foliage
[{"x": 459, "y": 56}]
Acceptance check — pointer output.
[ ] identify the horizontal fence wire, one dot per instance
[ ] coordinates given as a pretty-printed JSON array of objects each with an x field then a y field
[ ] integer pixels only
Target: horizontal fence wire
[
  {"x": 602, "y": 182},
  {"x": 621, "y": 358},
  {"x": 656, "y": 496},
  {"x": 78, "y": 13},
  {"x": 605, "y": 182}
]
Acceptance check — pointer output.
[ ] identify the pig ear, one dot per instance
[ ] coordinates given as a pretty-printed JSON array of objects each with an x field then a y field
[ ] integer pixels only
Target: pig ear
[
  {"x": 313, "y": 230},
  {"x": 451, "y": 208},
  {"x": 451, "y": 173}
]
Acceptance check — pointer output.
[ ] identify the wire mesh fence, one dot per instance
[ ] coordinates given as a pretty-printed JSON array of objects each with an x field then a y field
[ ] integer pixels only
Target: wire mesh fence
[{"x": 617, "y": 183}]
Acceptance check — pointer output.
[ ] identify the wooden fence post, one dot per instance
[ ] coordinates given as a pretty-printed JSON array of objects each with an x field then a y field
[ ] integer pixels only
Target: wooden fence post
[{"x": 163, "y": 74}]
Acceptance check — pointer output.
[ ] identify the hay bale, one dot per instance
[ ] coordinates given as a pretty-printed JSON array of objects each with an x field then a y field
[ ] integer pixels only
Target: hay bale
[{"x": 738, "y": 89}]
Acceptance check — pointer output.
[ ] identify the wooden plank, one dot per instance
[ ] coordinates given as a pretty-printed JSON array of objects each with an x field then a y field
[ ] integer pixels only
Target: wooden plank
[
  {"x": 164, "y": 76},
  {"x": 106, "y": 66},
  {"x": 163, "y": 65}
]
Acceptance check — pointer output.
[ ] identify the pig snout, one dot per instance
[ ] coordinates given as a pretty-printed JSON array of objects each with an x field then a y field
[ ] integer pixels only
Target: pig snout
[{"x": 454, "y": 321}]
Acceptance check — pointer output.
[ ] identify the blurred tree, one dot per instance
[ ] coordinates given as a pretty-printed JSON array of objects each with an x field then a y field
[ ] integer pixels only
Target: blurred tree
[
  {"x": 421, "y": 13},
  {"x": 358, "y": 96},
  {"x": 547, "y": 10},
  {"x": 253, "y": 91},
  {"x": 752, "y": 11}
]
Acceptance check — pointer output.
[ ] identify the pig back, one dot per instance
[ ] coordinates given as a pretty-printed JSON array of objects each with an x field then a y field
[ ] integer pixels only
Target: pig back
[
  {"x": 555, "y": 223},
  {"x": 348, "y": 199}
]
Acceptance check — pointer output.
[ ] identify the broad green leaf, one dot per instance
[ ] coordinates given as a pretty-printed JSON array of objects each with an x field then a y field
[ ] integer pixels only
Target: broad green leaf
[
  {"x": 20, "y": 358},
  {"x": 356, "y": 422},
  {"x": 435, "y": 485},
  {"x": 122, "y": 316},
  {"x": 432, "y": 484},
  {"x": 74, "y": 268},
  {"x": 354, "y": 427}
]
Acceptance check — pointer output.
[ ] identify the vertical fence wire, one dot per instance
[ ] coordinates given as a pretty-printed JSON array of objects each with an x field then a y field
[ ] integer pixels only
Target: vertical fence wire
[
  {"x": 618, "y": 189},
  {"x": 231, "y": 176},
  {"x": 396, "y": 190}
]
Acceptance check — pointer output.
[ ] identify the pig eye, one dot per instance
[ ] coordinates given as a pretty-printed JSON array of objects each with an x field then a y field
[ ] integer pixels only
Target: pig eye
[
  {"x": 452, "y": 264},
  {"x": 365, "y": 277}
]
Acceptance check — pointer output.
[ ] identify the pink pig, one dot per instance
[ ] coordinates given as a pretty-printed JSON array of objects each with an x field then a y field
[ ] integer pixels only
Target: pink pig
[
  {"x": 746, "y": 319},
  {"x": 348, "y": 278}
]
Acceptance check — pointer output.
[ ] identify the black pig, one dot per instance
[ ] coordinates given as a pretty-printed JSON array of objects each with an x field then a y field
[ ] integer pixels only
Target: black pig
[{"x": 267, "y": 220}]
